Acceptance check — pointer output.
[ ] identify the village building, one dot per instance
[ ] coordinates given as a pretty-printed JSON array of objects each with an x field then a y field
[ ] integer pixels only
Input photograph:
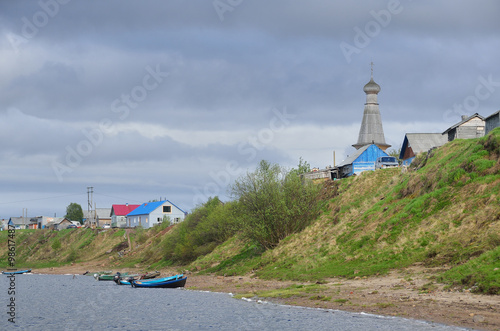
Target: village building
[
  {"x": 98, "y": 217},
  {"x": 103, "y": 216},
  {"x": 468, "y": 128},
  {"x": 33, "y": 223},
  {"x": 119, "y": 215},
  {"x": 492, "y": 122},
  {"x": 416, "y": 143},
  {"x": 371, "y": 131},
  {"x": 150, "y": 214},
  {"x": 63, "y": 224},
  {"x": 362, "y": 160},
  {"x": 53, "y": 223},
  {"x": 19, "y": 223},
  {"x": 371, "y": 142},
  {"x": 41, "y": 222}
]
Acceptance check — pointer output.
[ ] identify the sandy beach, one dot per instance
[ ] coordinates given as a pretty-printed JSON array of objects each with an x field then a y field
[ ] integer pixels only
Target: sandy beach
[{"x": 406, "y": 293}]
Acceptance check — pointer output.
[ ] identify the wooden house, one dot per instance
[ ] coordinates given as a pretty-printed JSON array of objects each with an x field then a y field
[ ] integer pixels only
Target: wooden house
[
  {"x": 416, "y": 143},
  {"x": 20, "y": 223},
  {"x": 491, "y": 122},
  {"x": 362, "y": 160},
  {"x": 63, "y": 224},
  {"x": 97, "y": 218},
  {"x": 468, "y": 128},
  {"x": 153, "y": 213},
  {"x": 103, "y": 216},
  {"x": 53, "y": 223},
  {"x": 119, "y": 214}
]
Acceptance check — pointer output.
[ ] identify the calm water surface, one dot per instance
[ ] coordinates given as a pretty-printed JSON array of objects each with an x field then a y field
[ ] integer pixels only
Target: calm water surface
[{"x": 61, "y": 302}]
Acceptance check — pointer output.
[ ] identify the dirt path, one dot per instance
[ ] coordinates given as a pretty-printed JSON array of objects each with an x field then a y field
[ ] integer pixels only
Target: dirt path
[{"x": 408, "y": 293}]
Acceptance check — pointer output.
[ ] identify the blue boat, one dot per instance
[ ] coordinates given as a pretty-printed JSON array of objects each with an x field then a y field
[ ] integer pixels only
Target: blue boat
[
  {"x": 122, "y": 281},
  {"x": 167, "y": 282},
  {"x": 16, "y": 272}
]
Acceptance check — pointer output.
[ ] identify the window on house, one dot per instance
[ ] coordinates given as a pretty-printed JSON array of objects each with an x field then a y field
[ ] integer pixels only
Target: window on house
[
  {"x": 177, "y": 220},
  {"x": 167, "y": 209},
  {"x": 159, "y": 219}
]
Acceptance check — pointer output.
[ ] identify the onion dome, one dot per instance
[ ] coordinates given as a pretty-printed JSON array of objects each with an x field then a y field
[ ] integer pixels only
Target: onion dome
[{"x": 371, "y": 87}]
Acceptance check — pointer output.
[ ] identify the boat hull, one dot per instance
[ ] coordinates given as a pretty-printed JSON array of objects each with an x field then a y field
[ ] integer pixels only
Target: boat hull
[
  {"x": 150, "y": 275},
  {"x": 122, "y": 282},
  {"x": 105, "y": 277},
  {"x": 16, "y": 272},
  {"x": 169, "y": 282}
]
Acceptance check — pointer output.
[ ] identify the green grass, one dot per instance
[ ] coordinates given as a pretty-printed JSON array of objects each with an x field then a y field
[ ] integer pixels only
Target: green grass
[{"x": 481, "y": 275}]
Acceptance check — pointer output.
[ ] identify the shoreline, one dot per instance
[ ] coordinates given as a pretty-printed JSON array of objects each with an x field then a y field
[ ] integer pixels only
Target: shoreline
[{"x": 406, "y": 293}]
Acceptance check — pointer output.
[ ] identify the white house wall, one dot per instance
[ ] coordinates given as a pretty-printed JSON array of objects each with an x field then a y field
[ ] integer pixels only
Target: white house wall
[
  {"x": 175, "y": 214},
  {"x": 149, "y": 220}
]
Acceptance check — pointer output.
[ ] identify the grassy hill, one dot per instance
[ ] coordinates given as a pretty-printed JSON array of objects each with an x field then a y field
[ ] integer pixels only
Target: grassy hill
[{"x": 443, "y": 211}]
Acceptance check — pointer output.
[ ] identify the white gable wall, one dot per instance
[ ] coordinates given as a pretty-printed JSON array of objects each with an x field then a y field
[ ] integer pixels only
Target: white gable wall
[
  {"x": 156, "y": 216},
  {"x": 175, "y": 214}
]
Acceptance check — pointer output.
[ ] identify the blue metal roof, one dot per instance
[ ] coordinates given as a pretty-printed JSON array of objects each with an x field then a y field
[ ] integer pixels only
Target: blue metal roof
[
  {"x": 148, "y": 207},
  {"x": 362, "y": 160}
]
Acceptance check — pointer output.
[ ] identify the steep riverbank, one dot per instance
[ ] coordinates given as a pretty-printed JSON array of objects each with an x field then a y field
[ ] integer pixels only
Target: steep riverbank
[
  {"x": 422, "y": 243},
  {"x": 398, "y": 293}
]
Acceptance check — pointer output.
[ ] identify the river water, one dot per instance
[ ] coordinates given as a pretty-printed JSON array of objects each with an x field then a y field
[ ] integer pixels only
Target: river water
[{"x": 67, "y": 302}]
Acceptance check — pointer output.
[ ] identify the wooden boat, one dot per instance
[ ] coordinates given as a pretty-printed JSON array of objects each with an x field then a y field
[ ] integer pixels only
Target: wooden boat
[
  {"x": 150, "y": 275},
  {"x": 166, "y": 282},
  {"x": 124, "y": 279},
  {"x": 16, "y": 272},
  {"x": 88, "y": 273},
  {"x": 108, "y": 277}
]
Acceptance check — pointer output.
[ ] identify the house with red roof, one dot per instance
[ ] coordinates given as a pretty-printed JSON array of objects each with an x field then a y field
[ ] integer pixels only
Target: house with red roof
[{"x": 119, "y": 215}]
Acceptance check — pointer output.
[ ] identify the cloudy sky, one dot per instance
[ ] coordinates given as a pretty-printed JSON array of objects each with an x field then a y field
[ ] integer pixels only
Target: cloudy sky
[{"x": 154, "y": 99}]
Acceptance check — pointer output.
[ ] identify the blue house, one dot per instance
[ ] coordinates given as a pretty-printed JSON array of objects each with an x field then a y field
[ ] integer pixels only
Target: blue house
[
  {"x": 150, "y": 214},
  {"x": 362, "y": 160}
]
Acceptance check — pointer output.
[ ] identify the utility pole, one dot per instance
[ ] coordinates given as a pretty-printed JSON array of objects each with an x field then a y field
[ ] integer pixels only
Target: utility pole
[
  {"x": 90, "y": 213},
  {"x": 25, "y": 215}
]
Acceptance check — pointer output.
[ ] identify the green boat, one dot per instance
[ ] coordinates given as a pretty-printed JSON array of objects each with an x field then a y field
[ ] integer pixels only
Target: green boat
[
  {"x": 105, "y": 276},
  {"x": 112, "y": 277}
]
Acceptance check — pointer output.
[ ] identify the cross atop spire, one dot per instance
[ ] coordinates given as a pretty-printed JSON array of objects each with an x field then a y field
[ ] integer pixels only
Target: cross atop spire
[{"x": 371, "y": 64}]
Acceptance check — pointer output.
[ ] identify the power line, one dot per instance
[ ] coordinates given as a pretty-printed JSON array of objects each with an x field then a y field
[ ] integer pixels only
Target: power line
[{"x": 47, "y": 198}]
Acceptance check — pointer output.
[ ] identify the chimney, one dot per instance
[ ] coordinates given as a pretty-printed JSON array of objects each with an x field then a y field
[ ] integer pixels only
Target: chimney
[{"x": 464, "y": 117}]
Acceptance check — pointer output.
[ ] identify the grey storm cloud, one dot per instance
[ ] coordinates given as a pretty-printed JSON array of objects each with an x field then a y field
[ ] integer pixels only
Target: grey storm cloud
[{"x": 190, "y": 89}]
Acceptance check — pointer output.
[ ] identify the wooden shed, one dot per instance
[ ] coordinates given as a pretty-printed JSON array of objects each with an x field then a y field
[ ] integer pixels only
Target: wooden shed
[
  {"x": 468, "y": 128},
  {"x": 491, "y": 122},
  {"x": 416, "y": 143}
]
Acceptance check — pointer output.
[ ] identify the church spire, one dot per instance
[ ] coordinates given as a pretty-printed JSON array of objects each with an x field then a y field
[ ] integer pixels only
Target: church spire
[{"x": 371, "y": 131}]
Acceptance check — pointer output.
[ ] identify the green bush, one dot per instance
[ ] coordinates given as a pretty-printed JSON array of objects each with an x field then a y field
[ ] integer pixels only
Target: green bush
[
  {"x": 274, "y": 203},
  {"x": 204, "y": 229},
  {"x": 56, "y": 244}
]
